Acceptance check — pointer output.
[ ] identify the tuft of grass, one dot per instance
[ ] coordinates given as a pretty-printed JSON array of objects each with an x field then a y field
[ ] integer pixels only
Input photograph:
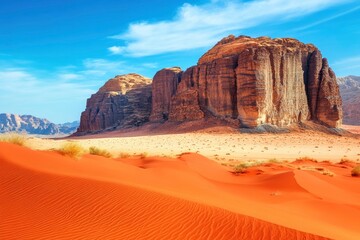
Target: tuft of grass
[
  {"x": 344, "y": 161},
  {"x": 124, "y": 155},
  {"x": 71, "y": 149},
  {"x": 99, "y": 152},
  {"x": 239, "y": 168},
  {"x": 273, "y": 160},
  {"x": 143, "y": 155},
  {"x": 356, "y": 171},
  {"x": 14, "y": 138},
  {"x": 306, "y": 159}
]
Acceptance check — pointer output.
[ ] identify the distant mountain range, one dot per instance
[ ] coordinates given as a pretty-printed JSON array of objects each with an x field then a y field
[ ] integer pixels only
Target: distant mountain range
[
  {"x": 350, "y": 93},
  {"x": 34, "y": 125}
]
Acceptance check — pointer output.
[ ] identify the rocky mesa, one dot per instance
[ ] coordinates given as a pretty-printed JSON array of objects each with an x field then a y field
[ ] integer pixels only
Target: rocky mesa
[
  {"x": 249, "y": 81},
  {"x": 124, "y": 101},
  {"x": 254, "y": 81}
]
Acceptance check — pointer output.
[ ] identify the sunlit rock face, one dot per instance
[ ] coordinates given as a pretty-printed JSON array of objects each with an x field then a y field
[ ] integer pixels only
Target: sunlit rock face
[
  {"x": 253, "y": 80},
  {"x": 124, "y": 101}
]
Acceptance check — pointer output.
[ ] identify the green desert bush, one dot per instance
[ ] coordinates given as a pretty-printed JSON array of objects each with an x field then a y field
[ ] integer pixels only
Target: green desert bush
[
  {"x": 14, "y": 138},
  {"x": 99, "y": 152},
  {"x": 356, "y": 171},
  {"x": 71, "y": 149}
]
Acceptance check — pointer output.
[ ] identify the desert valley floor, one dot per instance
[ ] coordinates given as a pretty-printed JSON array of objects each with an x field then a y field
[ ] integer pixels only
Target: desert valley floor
[{"x": 183, "y": 186}]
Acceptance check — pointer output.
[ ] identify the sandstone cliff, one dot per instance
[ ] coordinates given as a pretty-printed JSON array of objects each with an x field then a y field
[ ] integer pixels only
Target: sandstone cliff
[
  {"x": 254, "y": 81},
  {"x": 164, "y": 87},
  {"x": 350, "y": 93},
  {"x": 124, "y": 101}
]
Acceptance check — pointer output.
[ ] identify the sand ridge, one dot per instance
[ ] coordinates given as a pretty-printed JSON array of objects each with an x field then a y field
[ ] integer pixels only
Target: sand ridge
[{"x": 192, "y": 198}]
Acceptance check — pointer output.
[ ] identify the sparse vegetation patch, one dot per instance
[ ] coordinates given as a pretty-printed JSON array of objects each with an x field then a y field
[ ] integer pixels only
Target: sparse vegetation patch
[
  {"x": 99, "y": 152},
  {"x": 71, "y": 149},
  {"x": 14, "y": 138},
  {"x": 356, "y": 171}
]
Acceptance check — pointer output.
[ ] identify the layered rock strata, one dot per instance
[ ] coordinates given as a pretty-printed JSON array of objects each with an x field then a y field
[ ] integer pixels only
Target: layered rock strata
[
  {"x": 256, "y": 81},
  {"x": 124, "y": 101},
  {"x": 244, "y": 80}
]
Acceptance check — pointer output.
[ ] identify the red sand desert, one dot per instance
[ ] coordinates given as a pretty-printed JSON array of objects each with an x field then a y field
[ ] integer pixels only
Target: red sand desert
[{"x": 45, "y": 195}]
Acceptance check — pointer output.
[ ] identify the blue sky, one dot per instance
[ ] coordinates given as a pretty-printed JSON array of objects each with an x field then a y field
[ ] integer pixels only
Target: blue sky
[{"x": 55, "y": 54}]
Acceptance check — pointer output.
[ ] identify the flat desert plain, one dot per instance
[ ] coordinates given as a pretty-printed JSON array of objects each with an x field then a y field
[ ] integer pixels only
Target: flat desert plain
[{"x": 183, "y": 186}]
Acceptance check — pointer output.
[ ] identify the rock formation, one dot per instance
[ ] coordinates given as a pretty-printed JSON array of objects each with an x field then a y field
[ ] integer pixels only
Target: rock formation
[
  {"x": 243, "y": 80},
  {"x": 123, "y": 101},
  {"x": 164, "y": 87},
  {"x": 33, "y": 125},
  {"x": 350, "y": 93},
  {"x": 255, "y": 81}
]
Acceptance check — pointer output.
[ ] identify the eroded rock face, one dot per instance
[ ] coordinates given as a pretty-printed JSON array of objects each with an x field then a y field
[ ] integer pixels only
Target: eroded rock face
[
  {"x": 256, "y": 81},
  {"x": 164, "y": 86},
  {"x": 124, "y": 101}
]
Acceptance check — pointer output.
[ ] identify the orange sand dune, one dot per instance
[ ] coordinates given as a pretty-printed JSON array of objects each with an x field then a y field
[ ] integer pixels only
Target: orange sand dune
[{"x": 48, "y": 196}]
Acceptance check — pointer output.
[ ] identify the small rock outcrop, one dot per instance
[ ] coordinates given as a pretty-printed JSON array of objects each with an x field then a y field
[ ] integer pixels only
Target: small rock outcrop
[
  {"x": 255, "y": 81},
  {"x": 124, "y": 101}
]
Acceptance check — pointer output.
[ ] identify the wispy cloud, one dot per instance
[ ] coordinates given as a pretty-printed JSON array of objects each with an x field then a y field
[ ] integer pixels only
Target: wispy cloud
[
  {"x": 348, "y": 64},
  {"x": 327, "y": 19},
  {"x": 348, "y": 61},
  {"x": 63, "y": 90},
  {"x": 116, "y": 50},
  {"x": 197, "y": 26},
  {"x": 27, "y": 91}
]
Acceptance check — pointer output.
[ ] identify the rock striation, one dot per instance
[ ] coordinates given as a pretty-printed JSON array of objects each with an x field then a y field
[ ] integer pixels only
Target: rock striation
[
  {"x": 124, "y": 101},
  {"x": 164, "y": 87},
  {"x": 254, "y": 81},
  {"x": 245, "y": 81},
  {"x": 350, "y": 93},
  {"x": 33, "y": 125}
]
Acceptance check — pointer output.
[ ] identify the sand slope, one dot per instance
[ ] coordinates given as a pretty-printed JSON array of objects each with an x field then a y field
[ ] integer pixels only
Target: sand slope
[{"x": 47, "y": 196}]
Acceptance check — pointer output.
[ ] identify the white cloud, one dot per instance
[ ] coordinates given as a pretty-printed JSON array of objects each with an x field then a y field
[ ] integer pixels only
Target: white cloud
[
  {"x": 25, "y": 93},
  {"x": 116, "y": 50},
  {"x": 327, "y": 19},
  {"x": 348, "y": 61},
  {"x": 348, "y": 66},
  {"x": 69, "y": 76},
  {"x": 197, "y": 26},
  {"x": 47, "y": 93},
  {"x": 150, "y": 65},
  {"x": 98, "y": 67}
]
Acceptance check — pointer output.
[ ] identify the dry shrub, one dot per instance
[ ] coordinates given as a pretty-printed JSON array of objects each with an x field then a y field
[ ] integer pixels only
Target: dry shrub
[
  {"x": 239, "y": 168},
  {"x": 99, "y": 152},
  {"x": 71, "y": 149},
  {"x": 356, "y": 171},
  {"x": 143, "y": 155},
  {"x": 124, "y": 155},
  {"x": 307, "y": 159},
  {"x": 14, "y": 138}
]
